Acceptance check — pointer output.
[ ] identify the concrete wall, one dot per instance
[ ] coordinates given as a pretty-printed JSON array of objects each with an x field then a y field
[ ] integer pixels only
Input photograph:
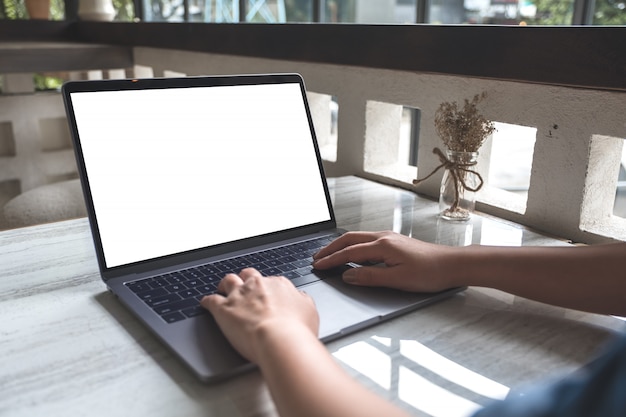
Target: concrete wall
[
  {"x": 578, "y": 146},
  {"x": 577, "y": 152}
]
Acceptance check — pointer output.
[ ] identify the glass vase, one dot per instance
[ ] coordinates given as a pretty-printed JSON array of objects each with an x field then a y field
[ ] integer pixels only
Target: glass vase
[{"x": 457, "y": 195}]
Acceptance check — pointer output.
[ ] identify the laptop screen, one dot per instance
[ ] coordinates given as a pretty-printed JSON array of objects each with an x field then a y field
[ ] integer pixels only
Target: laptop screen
[{"x": 176, "y": 169}]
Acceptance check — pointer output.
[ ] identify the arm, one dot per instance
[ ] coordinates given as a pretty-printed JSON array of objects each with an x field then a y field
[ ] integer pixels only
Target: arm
[
  {"x": 305, "y": 380},
  {"x": 275, "y": 326},
  {"x": 589, "y": 278}
]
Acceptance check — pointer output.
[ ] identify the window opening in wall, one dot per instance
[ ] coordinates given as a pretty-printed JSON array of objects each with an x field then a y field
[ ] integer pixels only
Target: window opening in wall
[
  {"x": 391, "y": 131},
  {"x": 409, "y": 136},
  {"x": 331, "y": 144},
  {"x": 511, "y": 158},
  {"x": 601, "y": 211},
  {"x": 8, "y": 189},
  {"x": 57, "y": 137},
  {"x": 46, "y": 81},
  {"x": 619, "y": 208},
  {"x": 325, "y": 114},
  {"x": 7, "y": 140}
]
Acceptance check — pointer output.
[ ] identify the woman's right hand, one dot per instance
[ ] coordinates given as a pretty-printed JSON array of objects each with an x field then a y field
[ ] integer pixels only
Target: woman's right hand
[{"x": 391, "y": 260}]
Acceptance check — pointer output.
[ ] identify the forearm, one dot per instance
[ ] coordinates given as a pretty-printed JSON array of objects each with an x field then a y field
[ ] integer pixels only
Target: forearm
[
  {"x": 589, "y": 278},
  {"x": 305, "y": 380}
]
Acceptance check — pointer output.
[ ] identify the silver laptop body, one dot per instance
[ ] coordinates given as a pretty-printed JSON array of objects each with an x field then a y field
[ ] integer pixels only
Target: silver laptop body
[{"x": 180, "y": 174}]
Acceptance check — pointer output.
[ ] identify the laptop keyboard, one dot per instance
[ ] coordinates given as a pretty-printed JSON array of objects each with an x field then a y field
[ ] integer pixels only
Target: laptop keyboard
[{"x": 176, "y": 296}]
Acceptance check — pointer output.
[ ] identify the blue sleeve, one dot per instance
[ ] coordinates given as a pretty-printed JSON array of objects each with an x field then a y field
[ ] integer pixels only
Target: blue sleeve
[{"x": 596, "y": 390}]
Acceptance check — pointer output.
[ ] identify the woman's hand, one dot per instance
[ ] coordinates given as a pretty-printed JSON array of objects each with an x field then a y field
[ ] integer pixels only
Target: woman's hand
[
  {"x": 249, "y": 307},
  {"x": 403, "y": 263},
  {"x": 274, "y": 325}
]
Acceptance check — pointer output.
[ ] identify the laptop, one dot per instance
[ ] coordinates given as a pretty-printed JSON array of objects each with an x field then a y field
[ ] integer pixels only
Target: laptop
[{"x": 187, "y": 179}]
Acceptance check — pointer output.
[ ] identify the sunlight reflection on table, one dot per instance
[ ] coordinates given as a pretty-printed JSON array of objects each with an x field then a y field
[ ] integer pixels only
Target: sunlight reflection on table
[{"x": 370, "y": 359}]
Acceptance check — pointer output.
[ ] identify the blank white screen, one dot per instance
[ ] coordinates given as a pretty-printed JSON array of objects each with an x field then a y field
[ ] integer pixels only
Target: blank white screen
[{"x": 172, "y": 170}]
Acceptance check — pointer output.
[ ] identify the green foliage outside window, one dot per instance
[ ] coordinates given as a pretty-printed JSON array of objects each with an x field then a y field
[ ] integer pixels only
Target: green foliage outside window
[
  {"x": 46, "y": 82},
  {"x": 13, "y": 10},
  {"x": 559, "y": 12},
  {"x": 552, "y": 12},
  {"x": 610, "y": 12},
  {"x": 125, "y": 10},
  {"x": 299, "y": 10},
  {"x": 16, "y": 9}
]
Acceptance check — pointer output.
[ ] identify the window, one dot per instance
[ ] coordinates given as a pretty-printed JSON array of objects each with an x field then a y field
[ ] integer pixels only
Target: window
[
  {"x": 510, "y": 161},
  {"x": 228, "y": 11},
  {"x": 325, "y": 113},
  {"x": 619, "y": 208},
  {"x": 603, "y": 199},
  {"x": 525, "y": 12},
  {"x": 391, "y": 133},
  {"x": 360, "y": 11},
  {"x": 609, "y": 12},
  {"x": 507, "y": 12},
  {"x": 409, "y": 136}
]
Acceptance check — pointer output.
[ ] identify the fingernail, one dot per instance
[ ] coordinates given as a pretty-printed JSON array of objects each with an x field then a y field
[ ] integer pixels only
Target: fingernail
[{"x": 349, "y": 275}]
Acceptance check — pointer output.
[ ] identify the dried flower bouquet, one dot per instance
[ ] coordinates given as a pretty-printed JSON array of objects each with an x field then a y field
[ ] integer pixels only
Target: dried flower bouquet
[{"x": 463, "y": 131}]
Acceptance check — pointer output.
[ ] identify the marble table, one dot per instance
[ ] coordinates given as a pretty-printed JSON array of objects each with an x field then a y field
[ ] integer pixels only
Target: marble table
[{"x": 68, "y": 348}]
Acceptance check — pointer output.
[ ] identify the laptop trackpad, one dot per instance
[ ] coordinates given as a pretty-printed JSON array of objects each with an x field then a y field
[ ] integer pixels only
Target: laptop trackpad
[{"x": 345, "y": 308}]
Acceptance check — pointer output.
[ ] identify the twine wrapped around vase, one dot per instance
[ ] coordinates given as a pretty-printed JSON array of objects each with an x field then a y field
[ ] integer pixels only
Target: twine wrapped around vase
[{"x": 459, "y": 171}]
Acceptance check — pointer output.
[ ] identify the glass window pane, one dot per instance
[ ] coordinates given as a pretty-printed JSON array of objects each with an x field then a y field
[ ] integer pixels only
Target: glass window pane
[
  {"x": 299, "y": 10},
  {"x": 338, "y": 11},
  {"x": 502, "y": 12},
  {"x": 196, "y": 11},
  {"x": 610, "y": 12},
  {"x": 164, "y": 10},
  {"x": 454, "y": 11},
  {"x": 550, "y": 12},
  {"x": 257, "y": 11},
  {"x": 57, "y": 10},
  {"x": 124, "y": 10},
  {"x": 266, "y": 11},
  {"x": 368, "y": 11},
  {"x": 217, "y": 11}
]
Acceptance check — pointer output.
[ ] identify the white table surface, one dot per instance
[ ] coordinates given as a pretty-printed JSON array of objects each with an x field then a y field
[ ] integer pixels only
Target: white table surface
[{"x": 68, "y": 348}]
